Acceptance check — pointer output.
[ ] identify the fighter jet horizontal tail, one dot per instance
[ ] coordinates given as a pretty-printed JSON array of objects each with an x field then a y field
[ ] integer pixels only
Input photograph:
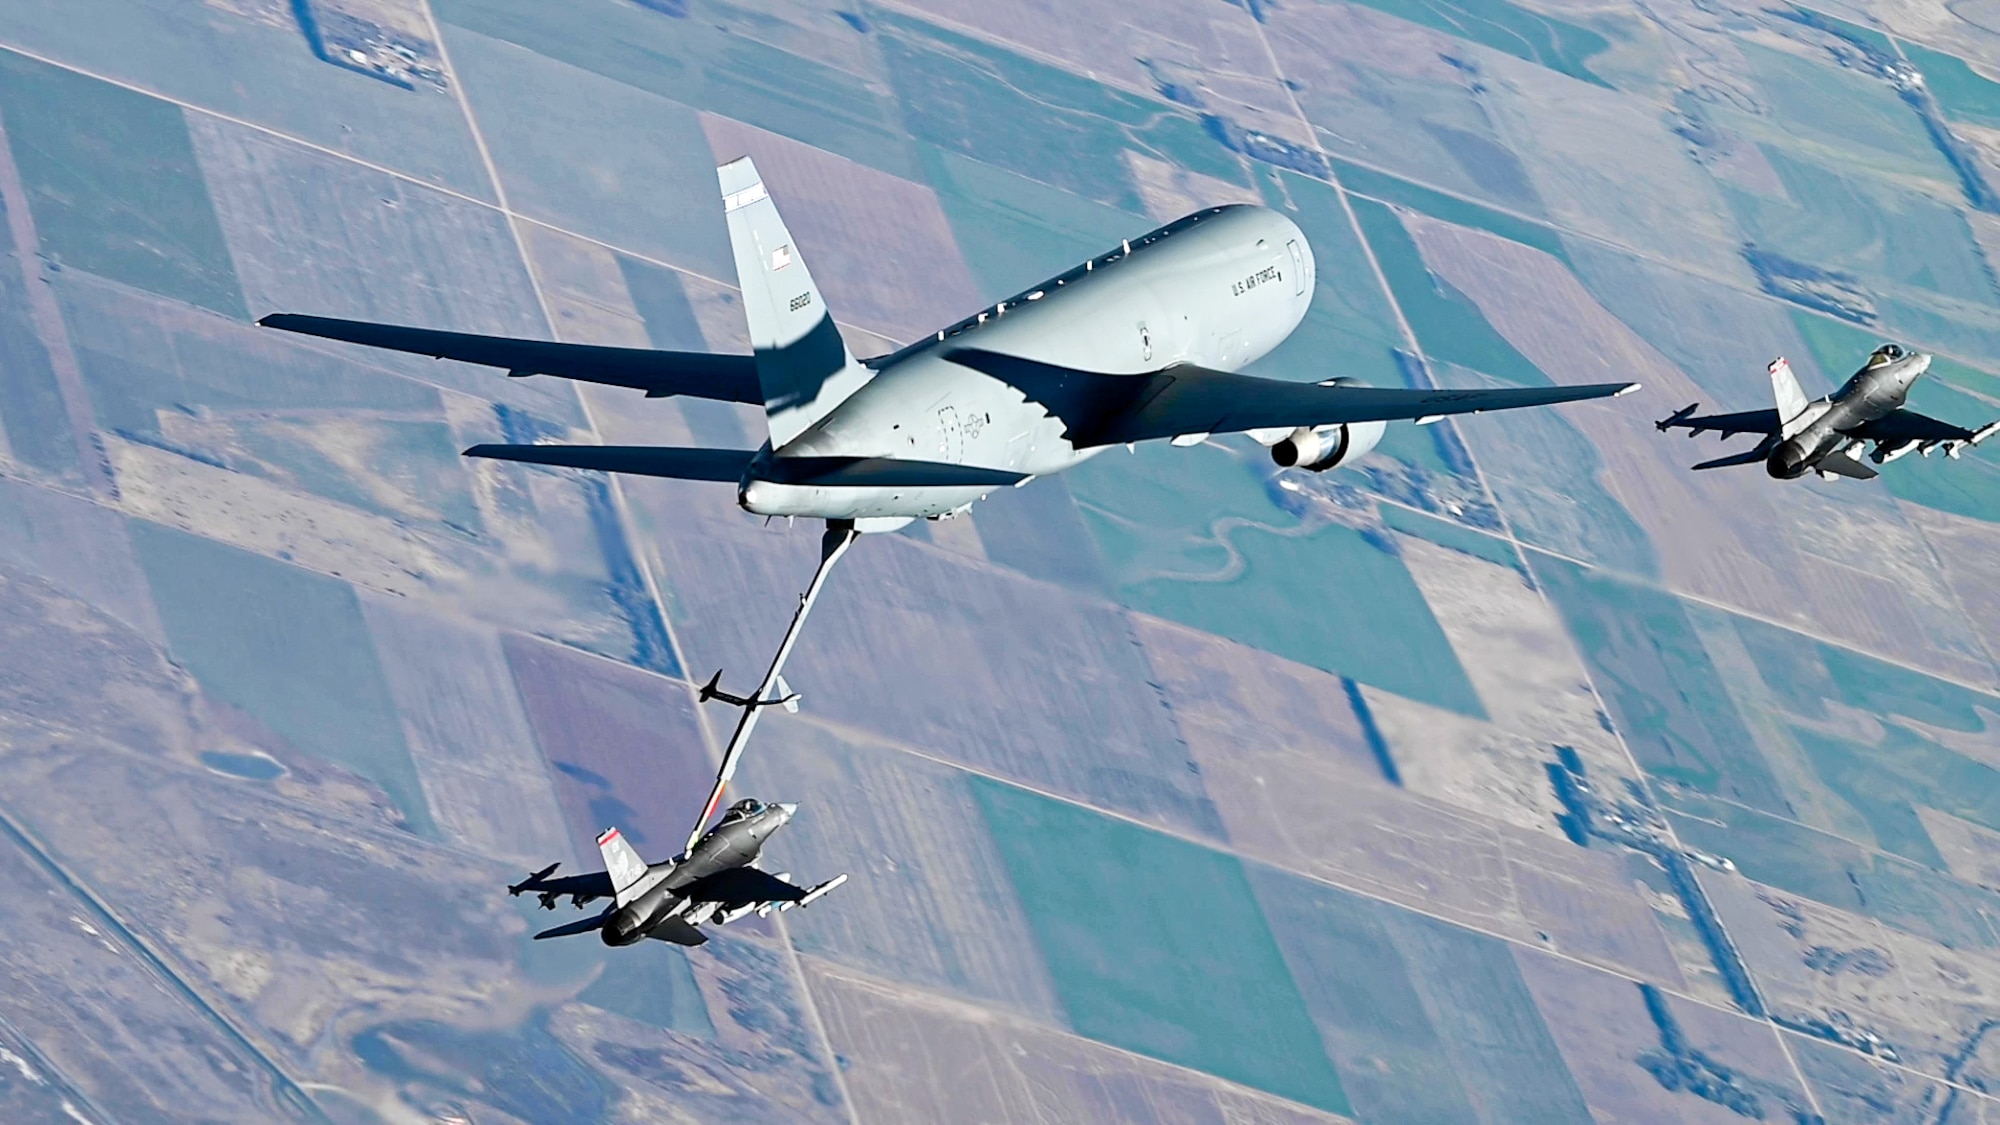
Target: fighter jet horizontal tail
[
  {"x": 1100, "y": 409},
  {"x": 582, "y": 926},
  {"x": 725, "y": 378},
  {"x": 1747, "y": 457}
]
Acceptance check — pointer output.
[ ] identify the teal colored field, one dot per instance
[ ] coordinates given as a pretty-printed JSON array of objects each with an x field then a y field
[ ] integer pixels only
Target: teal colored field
[
  {"x": 397, "y": 469},
  {"x": 1546, "y": 474},
  {"x": 1825, "y": 868},
  {"x": 289, "y": 648},
  {"x": 1446, "y": 322},
  {"x": 698, "y": 64},
  {"x": 963, "y": 99},
  {"x": 1451, "y": 209},
  {"x": 653, "y": 985},
  {"x": 1015, "y": 231},
  {"x": 1845, "y": 111},
  {"x": 1350, "y": 328},
  {"x": 1845, "y": 222},
  {"x": 1562, "y": 47},
  {"x": 1963, "y": 93},
  {"x": 115, "y": 187},
  {"x": 1670, "y": 703},
  {"x": 1192, "y": 535},
  {"x": 1426, "y": 1021},
  {"x": 31, "y": 405},
  {"x": 1136, "y": 964},
  {"x": 1455, "y": 536},
  {"x": 983, "y": 101}
]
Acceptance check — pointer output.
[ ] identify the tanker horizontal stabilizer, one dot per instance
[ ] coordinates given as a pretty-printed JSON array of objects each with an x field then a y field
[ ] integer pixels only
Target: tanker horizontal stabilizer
[{"x": 724, "y": 378}]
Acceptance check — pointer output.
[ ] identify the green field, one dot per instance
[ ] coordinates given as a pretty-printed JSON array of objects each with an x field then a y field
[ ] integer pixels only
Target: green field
[
  {"x": 1840, "y": 221},
  {"x": 417, "y": 461},
  {"x": 1446, "y": 322},
  {"x": 1545, "y": 473},
  {"x": 653, "y": 985},
  {"x": 1157, "y": 946},
  {"x": 698, "y": 64},
  {"x": 1015, "y": 231},
  {"x": 115, "y": 187},
  {"x": 1425, "y": 1021},
  {"x": 964, "y": 99},
  {"x": 1562, "y": 47},
  {"x": 31, "y": 405},
  {"x": 1963, "y": 93},
  {"x": 1456, "y": 536},
  {"x": 1670, "y": 704},
  {"x": 1192, "y": 535},
  {"x": 1449, "y": 208},
  {"x": 289, "y": 648},
  {"x": 1843, "y": 111},
  {"x": 1825, "y": 868}
]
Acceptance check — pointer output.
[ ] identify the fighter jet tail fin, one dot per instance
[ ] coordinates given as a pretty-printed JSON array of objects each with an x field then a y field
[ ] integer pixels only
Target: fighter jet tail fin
[
  {"x": 622, "y": 863},
  {"x": 803, "y": 365},
  {"x": 1788, "y": 396}
]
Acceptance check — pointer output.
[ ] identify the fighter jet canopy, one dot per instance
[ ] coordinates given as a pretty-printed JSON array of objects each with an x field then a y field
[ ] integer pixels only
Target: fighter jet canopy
[
  {"x": 1887, "y": 353},
  {"x": 748, "y": 806}
]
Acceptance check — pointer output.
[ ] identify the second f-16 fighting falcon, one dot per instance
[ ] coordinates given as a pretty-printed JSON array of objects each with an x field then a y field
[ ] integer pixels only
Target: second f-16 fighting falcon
[
  {"x": 715, "y": 881},
  {"x": 1827, "y": 435},
  {"x": 1139, "y": 343}
]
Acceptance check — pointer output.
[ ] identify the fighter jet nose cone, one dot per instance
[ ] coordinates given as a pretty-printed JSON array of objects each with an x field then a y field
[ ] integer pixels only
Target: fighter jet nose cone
[{"x": 787, "y": 810}]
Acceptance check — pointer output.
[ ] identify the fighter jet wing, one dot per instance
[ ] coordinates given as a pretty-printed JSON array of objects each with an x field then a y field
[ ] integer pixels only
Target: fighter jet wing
[
  {"x": 1908, "y": 425},
  {"x": 1100, "y": 409},
  {"x": 726, "y": 378},
  {"x": 742, "y": 884}
]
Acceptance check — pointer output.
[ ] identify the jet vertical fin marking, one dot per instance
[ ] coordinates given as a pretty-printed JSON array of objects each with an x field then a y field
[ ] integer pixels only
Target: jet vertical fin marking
[
  {"x": 1790, "y": 399},
  {"x": 622, "y": 863},
  {"x": 803, "y": 366}
]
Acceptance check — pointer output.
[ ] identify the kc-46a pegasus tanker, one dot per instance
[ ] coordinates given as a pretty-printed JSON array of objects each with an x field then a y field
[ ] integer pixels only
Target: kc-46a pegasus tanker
[
  {"x": 1827, "y": 435},
  {"x": 1139, "y": 343}
]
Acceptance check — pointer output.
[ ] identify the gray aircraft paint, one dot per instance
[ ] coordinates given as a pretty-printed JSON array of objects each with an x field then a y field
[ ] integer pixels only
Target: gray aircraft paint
[
  {"x": 1826, "y": 435},
  {"x": 1219, "y": 290}
]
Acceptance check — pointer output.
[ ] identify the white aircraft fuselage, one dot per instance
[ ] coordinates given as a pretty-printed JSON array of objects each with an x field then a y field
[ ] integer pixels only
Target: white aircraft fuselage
[{"x": 1220, "y": 289}]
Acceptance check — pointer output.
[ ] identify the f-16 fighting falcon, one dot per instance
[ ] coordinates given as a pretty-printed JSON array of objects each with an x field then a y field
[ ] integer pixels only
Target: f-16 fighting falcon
[
  {"x": 715, "y": 881},
  {"x": 1138, "y": 343},
  {"x": 1827, "y": 435}
]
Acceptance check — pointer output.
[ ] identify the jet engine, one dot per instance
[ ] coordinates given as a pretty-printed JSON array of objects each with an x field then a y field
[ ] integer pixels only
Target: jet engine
[{"x": 1319, "y": 448}]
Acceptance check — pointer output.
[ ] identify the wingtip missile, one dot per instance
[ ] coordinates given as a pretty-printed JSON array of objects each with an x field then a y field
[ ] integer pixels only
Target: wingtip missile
[
  {"x": 1983, "y": 432},
  {"x": 1676, "y": 417},
  {"x": 820, "y": 891},
  {"x": 531, "y": 880},
  {"x": 1626, "y": 390}
]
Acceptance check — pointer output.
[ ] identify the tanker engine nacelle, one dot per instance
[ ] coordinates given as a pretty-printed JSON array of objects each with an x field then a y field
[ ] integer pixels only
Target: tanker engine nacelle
[{"x": 1319, "y": 448}]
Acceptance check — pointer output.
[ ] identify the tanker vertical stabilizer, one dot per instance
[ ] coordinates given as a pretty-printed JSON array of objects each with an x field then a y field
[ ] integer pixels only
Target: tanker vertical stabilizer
[{"x": 803, "y": 365}]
